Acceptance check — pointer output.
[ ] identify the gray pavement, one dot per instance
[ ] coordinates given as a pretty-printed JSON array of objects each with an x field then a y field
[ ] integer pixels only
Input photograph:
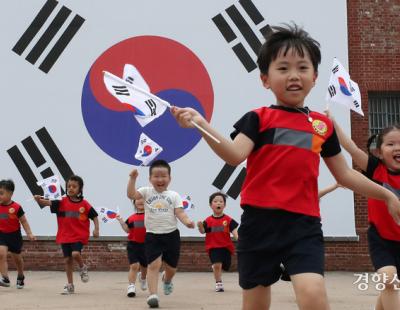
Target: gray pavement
[{"x": 107, "y": 290}]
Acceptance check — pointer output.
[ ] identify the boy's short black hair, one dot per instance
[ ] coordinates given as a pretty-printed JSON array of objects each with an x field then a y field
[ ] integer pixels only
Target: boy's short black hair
[
  {"x": 7, "y": 185},
  {"x": 160, "y": 163},
  {"x": 282, "y": 39},
  {"x": 79, "y": 180},
  {"x": 213, "y": 195}
]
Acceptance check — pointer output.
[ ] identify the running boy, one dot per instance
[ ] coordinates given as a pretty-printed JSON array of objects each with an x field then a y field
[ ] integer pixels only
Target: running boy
[
  {"x": 218, "y": 229},
  {"x": 136, "y": 230},
  {"x": 11, "y": 217},
  {"x": 73, "y": 214},
  {"x": 282, "y": 144},
  {"x": 162, "y": 208}
]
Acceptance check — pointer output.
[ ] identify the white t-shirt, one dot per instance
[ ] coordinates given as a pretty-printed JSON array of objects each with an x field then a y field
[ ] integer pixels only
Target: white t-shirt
[{"x": 159, "y": 213}]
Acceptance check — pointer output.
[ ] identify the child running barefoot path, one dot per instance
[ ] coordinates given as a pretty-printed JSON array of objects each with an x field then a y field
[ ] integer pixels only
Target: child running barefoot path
[
  {"x": 383, "y": 233},
  {"x": 218, "y": 229},
  {"x": 136, "y": 230},
  {"x": 162, "y": 208},
  {"x": 12, "y": 216},
  {"x": 281, "y": 218},
  {"x": 73, "y": 214}
]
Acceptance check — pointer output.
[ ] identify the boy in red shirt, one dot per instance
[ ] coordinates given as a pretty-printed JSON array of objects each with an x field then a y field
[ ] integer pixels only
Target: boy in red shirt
[
  {"x": 73, "y": 214},
  {"x": 218, "y": 229},
  {"x": 136, "y": 230},
  {"x": 11, "y": 217}
]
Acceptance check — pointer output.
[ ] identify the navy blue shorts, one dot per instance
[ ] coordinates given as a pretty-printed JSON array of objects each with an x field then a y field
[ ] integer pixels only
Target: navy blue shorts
[
  {"x": 166, "y": 245},
  {"x": 221, "y": 255},
  {"x": 383, "y": 252},
  {"x": 136, "y": 253},
  {"x": 13, "y": 241},
  {"x": 271, "y": 237},
  {"x": 68, "y": 248}
]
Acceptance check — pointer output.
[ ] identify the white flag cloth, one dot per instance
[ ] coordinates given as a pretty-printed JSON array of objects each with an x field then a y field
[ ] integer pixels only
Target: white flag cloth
[
  {"x": 145, "y": 106},
  {"x": 187, "y": 203},
  {"x": 107, "y": 215},
  {"x": 147, "y": 150},
  {"x": 342, "y": 89},
  {"x": 133, "y": 76},
  {"x": 51, "y": 188}
]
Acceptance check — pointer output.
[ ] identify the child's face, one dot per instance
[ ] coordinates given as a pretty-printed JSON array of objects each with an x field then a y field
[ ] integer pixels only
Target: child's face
[
  {"x": 5, "y": 196},
  {"x": 160, "y": 178},
  {"x": 389, "y": 152},
  {"x": 290, "y": 77},
  {"x": 73, "y": 188},
  {"x": 139, "y": 204},
  {"x": 217, "y": 205}
]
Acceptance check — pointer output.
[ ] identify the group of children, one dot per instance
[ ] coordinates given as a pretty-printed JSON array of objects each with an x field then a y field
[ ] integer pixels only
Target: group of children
[{"x": 280, "y": 228}]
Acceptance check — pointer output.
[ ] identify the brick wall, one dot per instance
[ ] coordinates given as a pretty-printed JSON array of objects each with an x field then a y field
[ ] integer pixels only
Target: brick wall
[{"x": 374, "y": 58}]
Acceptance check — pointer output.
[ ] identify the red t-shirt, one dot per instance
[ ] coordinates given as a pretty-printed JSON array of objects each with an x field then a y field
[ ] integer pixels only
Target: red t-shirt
[
  {"x": 137, "y": 230},
  {"x": 283, "y": 167},
  {"x": 378, "y": 213},
  {"x": 73, "y": 220},
  {"x": 218, "y": 232},
  {"x": 9, "y": 217}
]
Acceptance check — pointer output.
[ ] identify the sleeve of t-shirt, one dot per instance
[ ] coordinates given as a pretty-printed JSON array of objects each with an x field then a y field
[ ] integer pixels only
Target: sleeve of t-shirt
[
  {"x": 331, "y": 146},
  {"x": 233, "y": 225},
  {"x": 130, "y": 225},
  {"x": 20, "y": 212},
  {"x": 92, "y": 213},
  {"x": 143, "y": 191},
  {"x": 206, "y": 228},
  {"x": 178, "y": 201},
  {"x": 247, "y": 125},
  {"x": 55, "y": 205},
  {"x": 373, "y": 163}
]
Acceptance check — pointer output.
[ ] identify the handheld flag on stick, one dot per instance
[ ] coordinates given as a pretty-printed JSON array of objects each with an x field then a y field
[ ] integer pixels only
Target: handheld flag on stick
[
  {"x": 342, "y": 89},
  {"x": 136, "y": 94},
  {"x": 51, "y": 188},
  {"x": 147, "y": 150},
  {"x": 107, "y": 215},
  {"x": 187, "y": 203},
  {"x": 144, "y": 107}
]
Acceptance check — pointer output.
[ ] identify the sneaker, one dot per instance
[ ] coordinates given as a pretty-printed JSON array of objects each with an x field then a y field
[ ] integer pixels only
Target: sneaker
[
  {"x": 167, "y": 286},
  {"x": 219, "y": 287},
  {"x": 68, "y": 289},
  {"x": 84, "y": 274},
  {"x": 153, "y": 301},
  {"x": 143, "y": 282},
  {"x": 131, "y": 290},
  {"x": 20, "y": 282},
  {"x": 4, "y": 282}
]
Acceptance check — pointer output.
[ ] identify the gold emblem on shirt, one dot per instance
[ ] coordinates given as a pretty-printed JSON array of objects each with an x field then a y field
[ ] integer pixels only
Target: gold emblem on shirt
[
  {"x": 320, "y": 127},
  {"x": 11, "y": 210},
  {"x": 82, "y": 210}
]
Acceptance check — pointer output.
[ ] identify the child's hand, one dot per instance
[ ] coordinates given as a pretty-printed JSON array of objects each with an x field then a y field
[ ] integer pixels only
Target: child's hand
[
  {"x": 190, "y": 224},
  {"x": 96, "y": 233},
  {"x": 31, "y": 237},
  {"x": 200, "y": 225},
  {"x": 184, "y": 116},
  {"x": 119, "y": 218},
  {"x": 134, "y": 174},
  {"x": 38, "y": 198}
]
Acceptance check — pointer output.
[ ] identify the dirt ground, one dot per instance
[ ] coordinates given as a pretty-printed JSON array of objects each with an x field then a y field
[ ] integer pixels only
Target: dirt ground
[{"x": 107, "y": 290}]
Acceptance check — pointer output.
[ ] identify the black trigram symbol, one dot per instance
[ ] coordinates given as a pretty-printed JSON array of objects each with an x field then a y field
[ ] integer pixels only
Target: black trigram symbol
[
  {"x": 130, "y": 79},
  {"x": 245, "y": 29},
  {"x": 356, "y": 104},
  {"x": 351, "y": 87},
  {"x": 48, "y": 35},
  {"x": 39, "y": 161},
  {"x": 121, "y": 90},
  {"x": 152, "y": 106},
  {"x": 222, "y": 179},
  {"x": 332, "y": 90},
  {"x": 335, "y": 69}
]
